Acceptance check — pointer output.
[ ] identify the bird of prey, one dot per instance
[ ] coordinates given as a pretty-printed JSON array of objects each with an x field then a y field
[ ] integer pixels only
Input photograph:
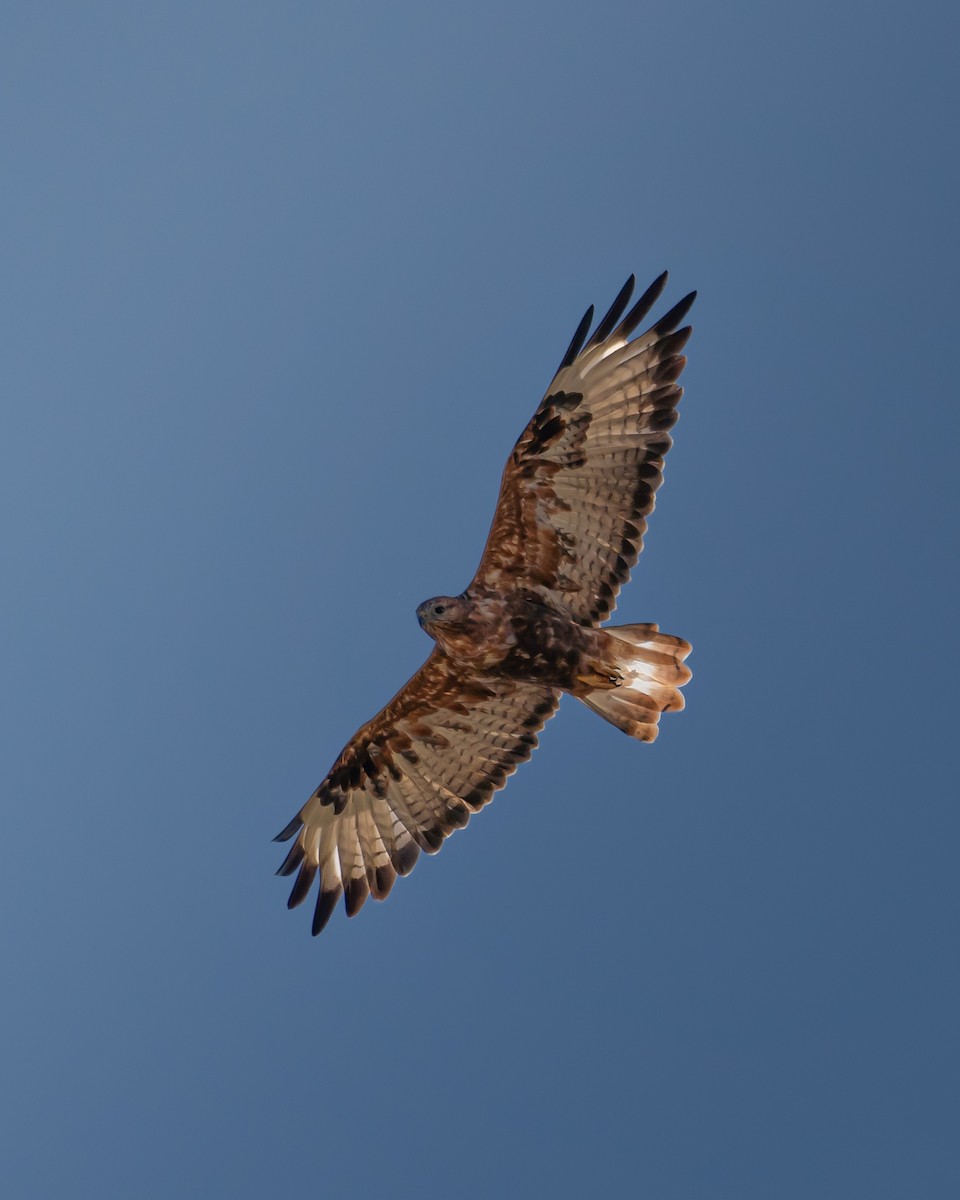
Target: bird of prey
[{"x": 568, "y": 527}]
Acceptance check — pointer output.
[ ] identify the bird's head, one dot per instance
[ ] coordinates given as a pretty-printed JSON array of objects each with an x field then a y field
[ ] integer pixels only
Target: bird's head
[{"x": 441, "y": 613}]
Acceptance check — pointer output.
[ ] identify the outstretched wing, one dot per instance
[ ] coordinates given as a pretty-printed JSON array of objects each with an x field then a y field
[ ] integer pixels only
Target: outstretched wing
[
  {"x": 405, "y": 781},
  {"x": 581, "y": 480}
]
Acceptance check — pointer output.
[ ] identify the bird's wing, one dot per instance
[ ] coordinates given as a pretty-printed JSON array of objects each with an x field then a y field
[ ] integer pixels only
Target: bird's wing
[
  {"x": 405, "y": 781},
  {"x": 581, "y": 479}
]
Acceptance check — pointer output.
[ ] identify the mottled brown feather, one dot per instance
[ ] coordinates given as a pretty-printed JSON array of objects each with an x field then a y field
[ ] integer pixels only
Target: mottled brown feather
[{"x": 583, "y": 475}]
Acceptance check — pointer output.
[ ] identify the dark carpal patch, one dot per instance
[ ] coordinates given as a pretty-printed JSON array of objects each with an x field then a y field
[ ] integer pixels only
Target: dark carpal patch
[{"x": 551, "y": 422}]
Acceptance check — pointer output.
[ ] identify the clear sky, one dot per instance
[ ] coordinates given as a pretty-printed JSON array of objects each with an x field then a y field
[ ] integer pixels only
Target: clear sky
[{"x": 281, "y": 284}]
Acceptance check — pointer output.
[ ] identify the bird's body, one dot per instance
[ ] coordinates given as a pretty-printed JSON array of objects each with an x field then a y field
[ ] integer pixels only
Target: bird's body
[
  {"x": 511, "y": 637},
  {"x": 568, "y": 527},
  {"x": 517, "y": 637}
]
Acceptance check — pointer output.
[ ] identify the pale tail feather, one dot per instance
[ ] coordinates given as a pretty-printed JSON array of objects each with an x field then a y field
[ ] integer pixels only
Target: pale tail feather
[{"x": 642, "y": 672}]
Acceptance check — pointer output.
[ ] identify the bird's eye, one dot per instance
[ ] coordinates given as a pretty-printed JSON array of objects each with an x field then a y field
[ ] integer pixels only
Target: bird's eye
[{"x": 438, "y": 609}]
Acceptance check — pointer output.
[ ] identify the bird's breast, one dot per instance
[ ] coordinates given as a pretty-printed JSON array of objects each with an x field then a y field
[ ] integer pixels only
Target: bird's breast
[{"x": 547, "y": 646}]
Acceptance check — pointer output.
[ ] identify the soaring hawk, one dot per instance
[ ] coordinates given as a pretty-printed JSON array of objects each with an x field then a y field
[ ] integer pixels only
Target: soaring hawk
[{"x": 568, "y": 528}]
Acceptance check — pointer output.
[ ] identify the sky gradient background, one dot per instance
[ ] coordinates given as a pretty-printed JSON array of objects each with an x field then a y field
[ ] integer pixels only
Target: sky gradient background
[{"x": 281, "y": 285}]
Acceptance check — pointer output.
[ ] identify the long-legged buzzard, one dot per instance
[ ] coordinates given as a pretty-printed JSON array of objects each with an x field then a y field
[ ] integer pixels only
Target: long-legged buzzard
[{"x": 569, "y": 525}]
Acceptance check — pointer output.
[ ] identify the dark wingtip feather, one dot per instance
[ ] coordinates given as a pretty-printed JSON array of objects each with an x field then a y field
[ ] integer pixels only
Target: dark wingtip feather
[
  {"x": 674, "y": 342},
  {"x": 326, "y": 903},
  {"x": 614, "y": 313},
  {"x": 430, "y": 838},
  {"x": 576, "y": 343},
  {"x": 293, "y": 860},
  {"x": 356, "y": 892},
  {"x": 669, "y": 321},
  {"x": 383, "y": 880},
  {"x": 288, "y": 831},
  {"x": 642, "y": 306},
  {"x": 302, "y": 884},
  {"x": 404, "y": 857}
]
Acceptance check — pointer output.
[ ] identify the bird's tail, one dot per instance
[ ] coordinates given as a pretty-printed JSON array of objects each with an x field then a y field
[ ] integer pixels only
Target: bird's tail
[{"x": 633, "y": 676}]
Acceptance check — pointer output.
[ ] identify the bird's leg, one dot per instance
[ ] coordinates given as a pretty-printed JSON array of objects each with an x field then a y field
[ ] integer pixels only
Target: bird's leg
[{"x": 593, "y": 676}]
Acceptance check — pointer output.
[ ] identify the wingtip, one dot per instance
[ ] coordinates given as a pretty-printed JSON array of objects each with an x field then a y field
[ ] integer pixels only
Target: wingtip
[
  {"x": 355, "y": 894},
  {"x": 616, "y": 310},
  {"x": 293, "y": 860},
  {"x": 576, "y": 342},
  {"x": 302, "y": 884},
  {"x": 290, "y": 829},
  {"x": 670, "y": 320},
  {"x": 642, "y": 306},
  {"x": 326, "y": 903}
]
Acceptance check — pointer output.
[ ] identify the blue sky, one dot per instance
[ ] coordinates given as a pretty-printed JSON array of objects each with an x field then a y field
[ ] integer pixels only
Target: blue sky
[{"x": 281, "y": 286}]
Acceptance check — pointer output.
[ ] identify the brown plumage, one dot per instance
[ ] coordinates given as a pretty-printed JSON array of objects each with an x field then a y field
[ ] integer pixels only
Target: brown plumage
[{"x": 568, "y": 528}]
